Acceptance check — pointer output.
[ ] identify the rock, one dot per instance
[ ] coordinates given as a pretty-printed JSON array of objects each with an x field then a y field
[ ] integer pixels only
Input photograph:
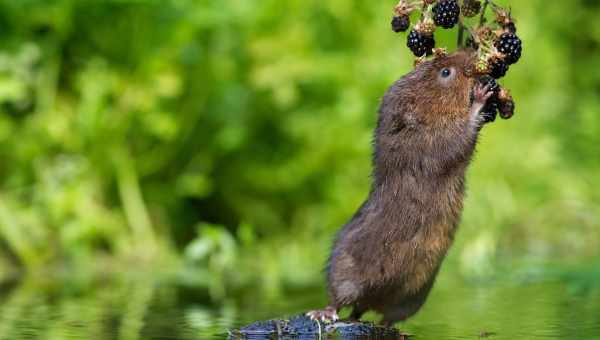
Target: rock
[{"x": 302, "y": 327}]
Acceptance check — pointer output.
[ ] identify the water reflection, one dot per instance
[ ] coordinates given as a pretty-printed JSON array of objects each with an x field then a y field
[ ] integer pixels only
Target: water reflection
[{"x": 144, "y": 307}]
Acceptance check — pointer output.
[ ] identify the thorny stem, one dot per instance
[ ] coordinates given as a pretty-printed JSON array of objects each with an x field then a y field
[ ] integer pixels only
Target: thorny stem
[
  {"x": 461, "y": 33},
  {"x": 471, "y": 33},
  {"x": 483, "y": 9},
  {"x": 426, "y": 11},
  {"x": 494, "y": 6}
]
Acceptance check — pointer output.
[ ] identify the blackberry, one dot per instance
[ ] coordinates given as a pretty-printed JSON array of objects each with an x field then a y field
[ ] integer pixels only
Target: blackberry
[
  {"x": 511, "y": 46},
  {"x": 446, "y": 13},
  {"x": 471, "y": 8},
  {"x": 507, "y": 109},
  {"x": 506, "y": 104},
  {"x": 420, "y": 44},
  {"x": 498, "y": 68},
  {"x": 400, "y": 23}
]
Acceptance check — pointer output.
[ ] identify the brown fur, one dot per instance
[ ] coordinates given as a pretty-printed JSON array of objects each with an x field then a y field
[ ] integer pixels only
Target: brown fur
[{"x": 386, "y": 258}]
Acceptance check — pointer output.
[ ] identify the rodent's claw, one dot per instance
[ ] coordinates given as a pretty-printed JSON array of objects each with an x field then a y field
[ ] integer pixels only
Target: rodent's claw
[
  {"x": 328, "y": 314},
  {"x": 481, "y": 93}
]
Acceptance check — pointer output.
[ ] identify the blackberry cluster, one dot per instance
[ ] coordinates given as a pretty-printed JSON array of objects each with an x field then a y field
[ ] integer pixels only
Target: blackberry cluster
[
  {"x": 400, "y": 23},
  {"x": 420, "y": 43},
  {"x": 446, "y": 13},
  {"x": 495, "y": 43},
  {"x": 511, "y": 46}
]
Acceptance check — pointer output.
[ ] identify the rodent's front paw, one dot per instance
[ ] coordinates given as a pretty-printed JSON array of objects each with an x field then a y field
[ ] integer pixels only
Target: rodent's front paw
[
  {"x": 484, "y": 105},
  {"x": 481, "y": 94}
]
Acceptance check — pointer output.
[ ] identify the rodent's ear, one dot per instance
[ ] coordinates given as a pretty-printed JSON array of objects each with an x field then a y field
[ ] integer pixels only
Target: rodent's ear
[{"x": 446, "y": 75}]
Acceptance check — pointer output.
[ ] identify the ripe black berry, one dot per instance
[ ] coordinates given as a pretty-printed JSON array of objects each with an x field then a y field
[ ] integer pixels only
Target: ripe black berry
[
  {"x": 400, "y": 23},
  {"x": 510, "y": 45},
  {"x": 498, "y": 68},
  {"x": 420, "y": 44},
  {"x": 446, "y": 13},
  {"x": 507, "y": 109}
]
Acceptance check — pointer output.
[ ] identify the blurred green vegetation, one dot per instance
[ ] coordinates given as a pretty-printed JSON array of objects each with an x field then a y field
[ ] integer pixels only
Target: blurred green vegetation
[{"x": 227, "y": 140}]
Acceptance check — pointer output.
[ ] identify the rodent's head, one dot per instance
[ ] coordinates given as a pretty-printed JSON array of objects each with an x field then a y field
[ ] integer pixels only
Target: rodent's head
[
  {"x": 437, "y": 90},
  {"x": 423, "y": 116},
  {"x": 449, "y": 74}
]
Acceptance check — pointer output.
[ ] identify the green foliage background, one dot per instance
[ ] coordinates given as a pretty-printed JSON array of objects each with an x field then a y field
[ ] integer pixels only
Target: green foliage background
[{"x": 228, "y": 140}]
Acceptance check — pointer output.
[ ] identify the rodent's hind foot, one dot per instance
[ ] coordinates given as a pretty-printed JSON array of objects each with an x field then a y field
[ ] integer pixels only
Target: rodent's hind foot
[{"x": 329, "y": 314}]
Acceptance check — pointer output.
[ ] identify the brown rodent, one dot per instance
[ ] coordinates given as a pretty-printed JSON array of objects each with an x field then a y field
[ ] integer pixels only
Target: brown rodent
[{"x": 387, "y": 256}]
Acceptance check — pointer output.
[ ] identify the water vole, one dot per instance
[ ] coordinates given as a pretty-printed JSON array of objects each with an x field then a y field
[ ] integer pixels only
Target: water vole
[{"x": 387, "y": 256}]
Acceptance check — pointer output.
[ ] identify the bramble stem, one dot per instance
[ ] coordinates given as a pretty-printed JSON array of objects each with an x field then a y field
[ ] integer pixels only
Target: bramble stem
[
  {"x": 461, "y": 33},
  {"x": 494, "y": 6},
  {"x": 486, "y": 3},
  {"x": 482, "y": 18}
]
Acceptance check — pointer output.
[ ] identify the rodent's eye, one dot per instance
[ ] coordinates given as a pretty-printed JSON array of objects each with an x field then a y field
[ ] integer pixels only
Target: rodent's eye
[
  {"x": 445, "y": 73},
  {"x": 447, "y": 76}
]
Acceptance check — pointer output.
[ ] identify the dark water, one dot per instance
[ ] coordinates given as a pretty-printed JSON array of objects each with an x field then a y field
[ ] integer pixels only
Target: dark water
[{"x": 566, "y": 307}]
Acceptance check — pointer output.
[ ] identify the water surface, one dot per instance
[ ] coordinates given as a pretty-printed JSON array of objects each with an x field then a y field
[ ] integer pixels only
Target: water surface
[{"x": 564, "y": 307}]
